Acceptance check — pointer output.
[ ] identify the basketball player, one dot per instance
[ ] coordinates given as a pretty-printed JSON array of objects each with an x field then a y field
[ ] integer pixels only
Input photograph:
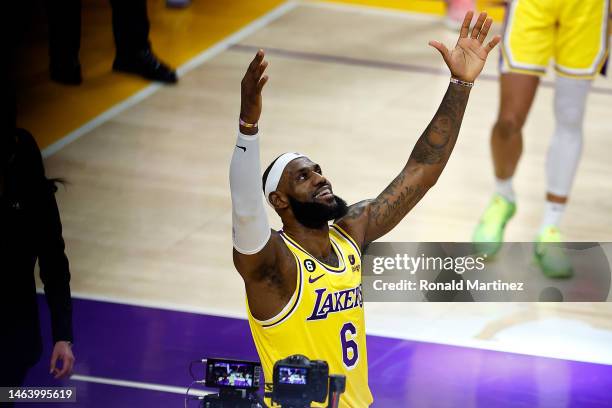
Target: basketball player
[
  {"x": 303, "y": 283},
  {"x": 575, "y": 34}
]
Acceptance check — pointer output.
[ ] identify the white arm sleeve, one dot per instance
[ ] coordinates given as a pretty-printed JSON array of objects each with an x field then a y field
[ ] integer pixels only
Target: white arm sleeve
[{"x": 250, "y": 227}]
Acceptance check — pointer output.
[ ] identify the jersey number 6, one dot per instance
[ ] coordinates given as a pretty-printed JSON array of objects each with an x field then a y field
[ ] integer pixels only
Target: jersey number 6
[{"x": 350, "y": 352}]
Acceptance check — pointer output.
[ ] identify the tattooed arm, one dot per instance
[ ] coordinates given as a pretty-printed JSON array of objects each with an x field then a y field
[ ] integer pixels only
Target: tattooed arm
[
  {"x": 427, "y": 160},
  {"x": 368, "y": 220}
]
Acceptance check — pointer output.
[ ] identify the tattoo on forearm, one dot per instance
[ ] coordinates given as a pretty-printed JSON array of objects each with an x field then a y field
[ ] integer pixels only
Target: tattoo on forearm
[
  {"x": 392, "y": 204},
  {"x": 430, "y": 154},
  {"x": 437, "y": 141}
]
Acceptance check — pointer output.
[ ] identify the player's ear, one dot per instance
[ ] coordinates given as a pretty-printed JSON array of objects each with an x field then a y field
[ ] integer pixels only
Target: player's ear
[{"x": 279, "y": 200}]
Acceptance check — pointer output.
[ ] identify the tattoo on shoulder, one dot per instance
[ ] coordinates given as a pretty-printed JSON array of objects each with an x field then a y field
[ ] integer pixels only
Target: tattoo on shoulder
[{"x": 356, "y": 210}]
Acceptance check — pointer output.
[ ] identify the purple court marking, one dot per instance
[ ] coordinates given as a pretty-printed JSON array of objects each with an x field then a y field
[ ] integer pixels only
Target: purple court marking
[
  {"x": 155, "y": 346},
  {"x": 386, "y": 65}
]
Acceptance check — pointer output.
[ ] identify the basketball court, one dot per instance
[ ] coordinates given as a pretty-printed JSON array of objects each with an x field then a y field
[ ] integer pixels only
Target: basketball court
[{"x": 147, "y": 216}]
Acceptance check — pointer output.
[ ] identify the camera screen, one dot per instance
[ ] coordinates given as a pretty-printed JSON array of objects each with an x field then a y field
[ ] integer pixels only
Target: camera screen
[
  {"x": 292, "y": 375},
  {"x": 225, "y": 374}
]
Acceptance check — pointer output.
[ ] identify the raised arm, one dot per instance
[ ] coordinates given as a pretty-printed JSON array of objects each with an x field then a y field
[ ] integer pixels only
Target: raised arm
[
  {"x": 255, "y": 245},
  {"x": 368, "y": 220}
]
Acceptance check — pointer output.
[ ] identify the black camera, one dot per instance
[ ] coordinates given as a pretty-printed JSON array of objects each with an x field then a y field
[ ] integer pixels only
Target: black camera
[
  {"x": 237, "y": 381},
  {"x": 298, "y": 381}
]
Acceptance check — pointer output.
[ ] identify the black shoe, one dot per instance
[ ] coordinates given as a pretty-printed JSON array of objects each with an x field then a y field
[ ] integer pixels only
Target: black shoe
[
  {"x": 66, "y": 72},
  {"x": 145, "y": 64}
]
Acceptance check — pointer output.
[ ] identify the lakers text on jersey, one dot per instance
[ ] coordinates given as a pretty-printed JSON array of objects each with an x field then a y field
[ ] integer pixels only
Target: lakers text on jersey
[{"x": 323, "y": 320}]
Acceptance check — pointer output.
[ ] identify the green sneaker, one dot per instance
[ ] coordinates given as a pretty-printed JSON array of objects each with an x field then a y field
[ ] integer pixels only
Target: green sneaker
[
  {"x": 489, "y": 234},
  {"x": 550, "y": 255}
]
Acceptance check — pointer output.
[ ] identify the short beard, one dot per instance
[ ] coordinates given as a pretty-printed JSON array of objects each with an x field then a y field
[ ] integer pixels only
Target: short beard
[{"x": 316, "y": 215}]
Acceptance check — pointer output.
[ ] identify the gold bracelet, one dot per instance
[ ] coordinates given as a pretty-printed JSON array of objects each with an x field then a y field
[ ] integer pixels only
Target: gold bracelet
[
  {"x": 462, "y": 83},
  {"x": 247, "y": 125}
]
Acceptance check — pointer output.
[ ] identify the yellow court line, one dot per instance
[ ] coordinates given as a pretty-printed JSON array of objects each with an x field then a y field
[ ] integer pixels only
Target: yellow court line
[{"x": 50, "y": 111}]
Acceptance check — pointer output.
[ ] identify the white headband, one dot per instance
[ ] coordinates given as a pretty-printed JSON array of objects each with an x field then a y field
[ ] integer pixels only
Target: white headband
[{"x": 277, "y": 171}]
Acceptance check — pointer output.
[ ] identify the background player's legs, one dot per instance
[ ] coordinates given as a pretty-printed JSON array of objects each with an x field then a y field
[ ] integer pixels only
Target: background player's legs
[
  {"x": 561, "y": 164},
  {"x": 566, "y": 144},
  {"x": 517, "y": 94}
]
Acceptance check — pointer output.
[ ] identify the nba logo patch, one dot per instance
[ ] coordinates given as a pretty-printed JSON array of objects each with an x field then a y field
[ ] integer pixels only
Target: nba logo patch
[{"x": 351, "y": 259}]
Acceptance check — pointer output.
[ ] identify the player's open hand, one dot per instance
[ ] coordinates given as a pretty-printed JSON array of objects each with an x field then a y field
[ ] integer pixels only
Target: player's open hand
[
  {"x": 468, "y": 58},
  {"x": 252, "y": 84}
]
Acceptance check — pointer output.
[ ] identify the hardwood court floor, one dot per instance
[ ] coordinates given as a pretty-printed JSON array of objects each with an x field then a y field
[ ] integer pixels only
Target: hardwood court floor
[{"x": 147, "y": 211}]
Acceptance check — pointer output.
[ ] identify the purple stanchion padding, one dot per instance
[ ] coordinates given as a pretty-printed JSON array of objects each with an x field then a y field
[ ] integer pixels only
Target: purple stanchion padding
[{"x": 155, "y": 346}]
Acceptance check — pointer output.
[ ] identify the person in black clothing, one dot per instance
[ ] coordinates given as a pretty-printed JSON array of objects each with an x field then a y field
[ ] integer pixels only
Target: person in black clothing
[
  {"x": 30, "y": 230},
  {"x": 131, "y": 31}
]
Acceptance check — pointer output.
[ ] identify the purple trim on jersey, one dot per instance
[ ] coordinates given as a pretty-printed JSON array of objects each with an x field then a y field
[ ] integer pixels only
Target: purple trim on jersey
[
  {"x": 297, "y": 300},
  {"x": 327, "y": 268},
  {"x": 346, "y": 237}
]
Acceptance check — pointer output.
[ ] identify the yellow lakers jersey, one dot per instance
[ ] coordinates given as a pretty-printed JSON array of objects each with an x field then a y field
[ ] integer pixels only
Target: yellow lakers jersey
[{"x": 323, "y": 320}]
